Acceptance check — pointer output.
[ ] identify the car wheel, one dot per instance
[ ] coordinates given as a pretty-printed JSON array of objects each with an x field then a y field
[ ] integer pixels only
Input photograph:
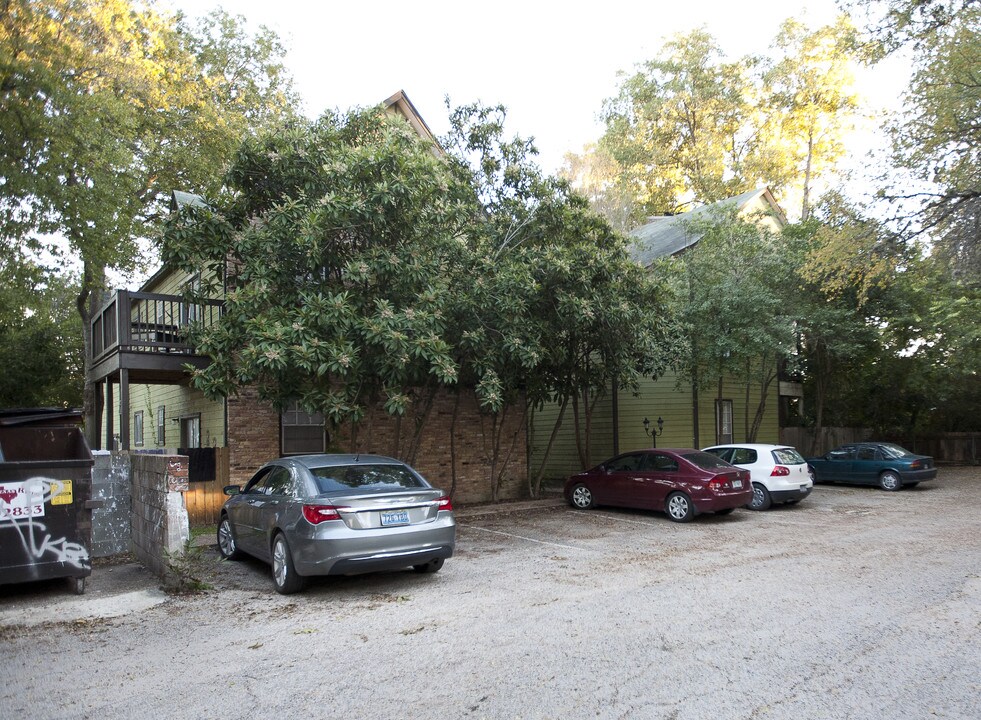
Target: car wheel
[
  {"x": 679, "y": 507},
  {"x": 727, "y": 511},
  {"x": 226, "y": 540},
  {"x": 761, "y": 498},
  {"x": 429, "y": 567},
  {"x": 284, "y": 573},
  {"x": 890, "y": 481},
  {"x": 582, "y": 498}
]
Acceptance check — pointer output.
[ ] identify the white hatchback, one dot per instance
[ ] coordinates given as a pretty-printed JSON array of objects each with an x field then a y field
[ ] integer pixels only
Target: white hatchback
[{"x": 779, "y": 473}]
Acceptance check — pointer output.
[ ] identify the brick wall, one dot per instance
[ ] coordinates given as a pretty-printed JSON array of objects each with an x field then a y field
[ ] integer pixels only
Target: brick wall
[
  {"x": 159, "y": 520},
  {"x": 253, "y": 438},
  {"x": 253, "y": 435}
]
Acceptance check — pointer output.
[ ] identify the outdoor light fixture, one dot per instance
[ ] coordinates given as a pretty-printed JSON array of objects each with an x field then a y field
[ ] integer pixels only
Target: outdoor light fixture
[{"x": 652, "y": 434}]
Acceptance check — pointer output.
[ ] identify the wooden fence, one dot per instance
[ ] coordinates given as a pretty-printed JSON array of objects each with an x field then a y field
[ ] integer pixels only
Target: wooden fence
[
  {"x": 945, "y": 448},
  {"x": 204, "y": 498}
]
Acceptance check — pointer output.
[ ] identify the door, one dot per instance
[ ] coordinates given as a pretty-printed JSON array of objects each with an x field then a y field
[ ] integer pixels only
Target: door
[
  {"x": 866, "y": 465},
  {"x": 261, "y": 501},
  {"x": 621, "y": 480},
  {"x": 660, "y": 478}
]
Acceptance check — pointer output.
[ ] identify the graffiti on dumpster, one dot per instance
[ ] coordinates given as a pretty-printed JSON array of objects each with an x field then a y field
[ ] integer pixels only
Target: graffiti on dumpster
[{"x": 21, "y": 504}]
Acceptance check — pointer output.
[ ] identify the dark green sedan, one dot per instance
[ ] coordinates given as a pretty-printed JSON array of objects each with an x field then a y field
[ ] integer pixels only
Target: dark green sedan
[{"x": 873, "y": 463}]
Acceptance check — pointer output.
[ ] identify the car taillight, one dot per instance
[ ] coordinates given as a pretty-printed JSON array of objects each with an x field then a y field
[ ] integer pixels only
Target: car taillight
[
  {"x": 316, "y": 514},
  {"x": 718, "y": 484},
  {"x": 445, "y": 503},
  {"x": 779, "y": 471}
]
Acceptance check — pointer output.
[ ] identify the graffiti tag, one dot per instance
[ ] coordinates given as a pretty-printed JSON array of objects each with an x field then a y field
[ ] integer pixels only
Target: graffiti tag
[{"x": 20, "y": 504}]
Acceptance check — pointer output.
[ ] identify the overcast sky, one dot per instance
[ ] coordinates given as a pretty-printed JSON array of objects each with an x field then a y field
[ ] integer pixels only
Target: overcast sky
[{"x": 551, "y": 64}]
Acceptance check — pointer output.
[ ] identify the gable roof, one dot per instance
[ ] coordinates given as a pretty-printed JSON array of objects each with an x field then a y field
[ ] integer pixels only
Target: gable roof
[
  {"x": 401, "y": 105},
  {"x": 670, "y": 235}
]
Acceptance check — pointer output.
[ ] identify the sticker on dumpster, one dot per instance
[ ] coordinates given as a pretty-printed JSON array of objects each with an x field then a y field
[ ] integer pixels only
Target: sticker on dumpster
[
  {"x": 62, "y": 496},
  {"x": 21, "y": 500}
]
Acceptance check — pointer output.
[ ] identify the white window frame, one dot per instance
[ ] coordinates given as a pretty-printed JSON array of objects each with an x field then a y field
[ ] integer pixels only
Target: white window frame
[
  {"x": 723, "y": 422},
  {"x": 138, "y": 428},
  {"x": 294, "y": 416},
  {"x": 161, "y": 425}
]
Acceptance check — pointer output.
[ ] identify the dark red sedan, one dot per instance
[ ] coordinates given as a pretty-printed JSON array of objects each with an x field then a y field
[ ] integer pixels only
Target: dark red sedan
[{"x": 680, "y": 481}]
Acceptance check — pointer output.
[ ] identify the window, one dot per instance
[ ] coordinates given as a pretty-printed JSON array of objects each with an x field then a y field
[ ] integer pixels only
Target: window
[
  {"x": 743, "y": 456},
  {"x": 365, "y": 478},
  {"x": 161, "y": 426},
  {"x": 302, "y": 431},
  {"x": 279, "y": 482},
  {"x": 723, "y": 421},
  {"x": 191, "y": 311},
  {"x": 867, "y": 453},
  {"x": 662, "y": 463},
  {"x": 191, "y": 432},
  {"x": 625, "y": 463},
  {"x": 138, "y": 428}
]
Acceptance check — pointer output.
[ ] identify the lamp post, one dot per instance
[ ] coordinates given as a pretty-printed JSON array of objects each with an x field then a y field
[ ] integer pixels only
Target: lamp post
[{"x": 653, "y": 433}]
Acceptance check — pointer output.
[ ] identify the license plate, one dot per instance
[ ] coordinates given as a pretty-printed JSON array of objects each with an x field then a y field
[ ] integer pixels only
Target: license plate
[
  {"x": 737, "y": 484},
  {"x": 396, "y": 517}
]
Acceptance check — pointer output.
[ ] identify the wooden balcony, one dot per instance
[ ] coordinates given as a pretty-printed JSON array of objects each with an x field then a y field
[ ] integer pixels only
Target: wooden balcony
[{"x": 144, "y": 336}]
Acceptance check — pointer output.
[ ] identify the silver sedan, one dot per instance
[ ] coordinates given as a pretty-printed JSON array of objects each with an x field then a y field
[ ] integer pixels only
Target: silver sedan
[{"x": 337, "y": 515}]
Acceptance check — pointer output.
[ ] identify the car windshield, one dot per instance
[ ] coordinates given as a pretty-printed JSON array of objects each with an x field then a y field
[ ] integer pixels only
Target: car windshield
[
  {"x": 788, "y": 456},
  {"x": 706, "y": 461},
  {"x": 893, "y": 451},
  {"x": 370, "y": 478}
]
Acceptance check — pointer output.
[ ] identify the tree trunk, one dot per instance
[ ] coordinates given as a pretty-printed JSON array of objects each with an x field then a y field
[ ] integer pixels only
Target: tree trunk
[
  {"x": 453, "y": 419},
  {"x": 88, "y": 303},
  {"x": 805, "y": 205},
  {"x": 535, "y": 487}
]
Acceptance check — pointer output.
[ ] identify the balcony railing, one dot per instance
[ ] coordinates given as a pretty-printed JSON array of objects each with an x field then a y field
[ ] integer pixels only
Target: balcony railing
[{"x": 148, "y": 323}]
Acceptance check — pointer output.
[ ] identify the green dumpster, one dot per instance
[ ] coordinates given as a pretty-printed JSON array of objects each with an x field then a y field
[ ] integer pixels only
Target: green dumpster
[{"x": 45, "y": 505}]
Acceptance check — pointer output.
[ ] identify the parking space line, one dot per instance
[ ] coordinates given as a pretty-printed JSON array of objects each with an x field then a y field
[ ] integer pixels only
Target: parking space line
[
  {"x": 619, "y": 519},
  {"x": 522, "y": 537}
]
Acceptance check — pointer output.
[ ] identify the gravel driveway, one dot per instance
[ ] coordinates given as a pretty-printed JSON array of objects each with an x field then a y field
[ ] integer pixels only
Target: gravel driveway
[{"x": 856, "y": 603}]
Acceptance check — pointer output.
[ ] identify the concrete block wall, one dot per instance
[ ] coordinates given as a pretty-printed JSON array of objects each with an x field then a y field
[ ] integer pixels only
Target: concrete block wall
[
  {"x": 111, "y": 486},
  {"x": 159, "y": 517}
]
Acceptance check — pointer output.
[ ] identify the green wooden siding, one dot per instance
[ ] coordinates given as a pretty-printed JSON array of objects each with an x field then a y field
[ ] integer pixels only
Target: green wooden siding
[
  {"x": 178, "y": 401},
  {"x": 665, "y": 398}
]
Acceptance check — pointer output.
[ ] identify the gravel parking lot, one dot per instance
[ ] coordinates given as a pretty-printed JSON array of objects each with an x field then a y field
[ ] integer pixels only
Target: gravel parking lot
[{"x": 856, "y": 603}]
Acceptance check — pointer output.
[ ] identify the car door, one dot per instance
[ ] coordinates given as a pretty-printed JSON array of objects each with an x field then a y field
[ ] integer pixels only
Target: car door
[
  {"x": 267, "y": 506},
  {"x": 620, "y": 485},
  {"x": 251, "y": 510},
  {"x": 659, "y": 478},
  {"x": 837, "y": 465},
  {"x": 866, "y": 465}
]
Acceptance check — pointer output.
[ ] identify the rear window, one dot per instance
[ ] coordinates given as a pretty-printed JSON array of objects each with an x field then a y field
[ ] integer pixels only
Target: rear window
[
  {"x": 706, "y": 461},
  {"x": 788, "y": 456},
  {"x": 367, "y": 478},
  {"x": 893, "y": 451}
]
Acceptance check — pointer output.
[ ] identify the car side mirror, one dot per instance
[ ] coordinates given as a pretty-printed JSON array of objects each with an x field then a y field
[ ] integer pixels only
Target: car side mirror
[{"x": 232, "y": 489}]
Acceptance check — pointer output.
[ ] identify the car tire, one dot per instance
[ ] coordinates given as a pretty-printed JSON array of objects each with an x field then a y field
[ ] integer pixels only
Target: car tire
[
  {"x": 679, "y": 508},
  {"x": 581, "y": 497},
  {"x": 761, "y": 498},
  {"x": 284, "y": 574},
  {"x": 890, "y": 480},
  {"x": 429, "y": 567},
  {"x": 227, "y": 546}
]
